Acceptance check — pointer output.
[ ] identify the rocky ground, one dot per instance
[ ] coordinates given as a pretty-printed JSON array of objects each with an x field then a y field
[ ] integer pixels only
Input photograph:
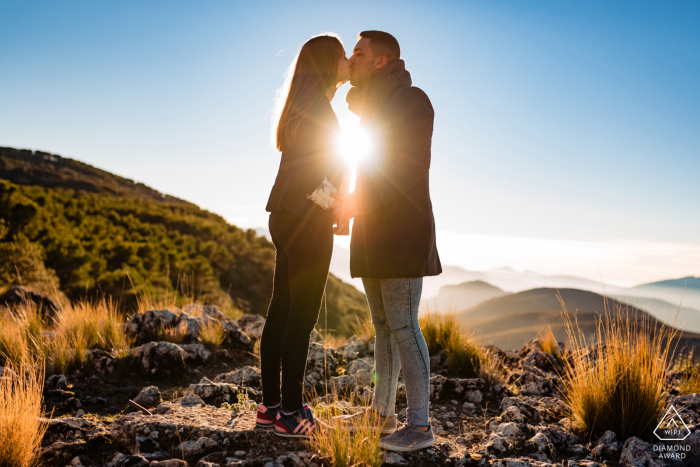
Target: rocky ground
[{"x": 521, "y": 422}]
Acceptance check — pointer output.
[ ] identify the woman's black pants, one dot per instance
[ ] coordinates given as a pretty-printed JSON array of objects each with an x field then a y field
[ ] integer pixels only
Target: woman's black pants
[{"x": 304, "y": 251}]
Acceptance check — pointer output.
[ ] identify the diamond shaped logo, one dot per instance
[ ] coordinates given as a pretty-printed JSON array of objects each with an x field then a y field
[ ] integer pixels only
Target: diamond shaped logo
[{"x": 672, "y": 427}]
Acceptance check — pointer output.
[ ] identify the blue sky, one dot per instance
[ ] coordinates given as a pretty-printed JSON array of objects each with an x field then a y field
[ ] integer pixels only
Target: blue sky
[{"x": 568, "y": 124}]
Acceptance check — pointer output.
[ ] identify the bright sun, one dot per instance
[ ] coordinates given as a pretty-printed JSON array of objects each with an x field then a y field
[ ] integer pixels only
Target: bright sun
[{"x": 354, "y": 144}]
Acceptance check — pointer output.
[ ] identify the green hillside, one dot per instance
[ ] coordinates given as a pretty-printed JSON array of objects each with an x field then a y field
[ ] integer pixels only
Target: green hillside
[{"x": 88, "y": 232}]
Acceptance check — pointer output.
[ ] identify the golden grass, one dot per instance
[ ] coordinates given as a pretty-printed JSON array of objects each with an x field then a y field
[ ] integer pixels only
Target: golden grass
[
  {"x": 491, "y": 370},
  {"x": 690, "y": 381},
  {"x": 363, "y": 328},
  {"x": 25, "y": 338},
  {"x": 212, "y": 334},
  {"x": 623, "y": 389},
  {"x": 21, "y": 430},
  {"x": 464, "y": 353},
  {"x": 342, "y": 448},
  {"x": 439, "y": 330},
  {"x": 549, "y": 342},
  {"x": 333, "y": 340},
  {"x": 172, "y": 334}
]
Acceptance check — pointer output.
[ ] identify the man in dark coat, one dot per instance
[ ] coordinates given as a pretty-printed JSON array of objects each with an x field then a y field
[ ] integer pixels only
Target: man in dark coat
[{"x": 393, "y": 239}]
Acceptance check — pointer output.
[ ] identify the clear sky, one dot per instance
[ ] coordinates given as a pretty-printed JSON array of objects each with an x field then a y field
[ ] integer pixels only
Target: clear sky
[{"x": 567, "y": 134}]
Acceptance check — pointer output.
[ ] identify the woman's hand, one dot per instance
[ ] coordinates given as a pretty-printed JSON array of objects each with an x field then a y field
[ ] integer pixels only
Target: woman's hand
[{"x": 345, "y": 207}]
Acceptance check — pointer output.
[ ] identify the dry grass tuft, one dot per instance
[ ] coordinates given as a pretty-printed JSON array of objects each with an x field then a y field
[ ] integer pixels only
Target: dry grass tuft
[
  {"x": 690, "y": 380},
  {"x": 363, "y": 328},
  {"x": 172, "y": 334},
  {"x": 342, "y": 448},
  {"x": 439, "y": 330},
  {"x": 21, "y": 429},
  {"x": 24, "y": 337},
  {"x": 464, "y": 353},
  {"x": 549, "y": 342},
  {"x": 212, "y": 334},
  {"x": 491, "y": 370},
  {"x": 620, "y": 385}
]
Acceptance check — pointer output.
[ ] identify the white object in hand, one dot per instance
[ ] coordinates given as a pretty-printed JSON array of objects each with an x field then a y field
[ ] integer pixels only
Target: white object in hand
[{"x": 322, "y": 194}]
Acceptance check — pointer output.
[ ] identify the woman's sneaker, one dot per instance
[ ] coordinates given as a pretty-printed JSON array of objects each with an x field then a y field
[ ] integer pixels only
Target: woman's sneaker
[
  {"x": 408, "y": 438},
  {"x": 266, "y": 417},
  {"x": 300, "y": 424},
  {"x": 364, "y": 419}
]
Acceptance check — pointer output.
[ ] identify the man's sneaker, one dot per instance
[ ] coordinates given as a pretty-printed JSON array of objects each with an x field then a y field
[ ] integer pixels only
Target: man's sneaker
[
  {"x": 408, "y": 438},
  {"x": 300, "y": 424},
  {"x": 366, "y": 418},
  {"x": 266, "y": 417}
]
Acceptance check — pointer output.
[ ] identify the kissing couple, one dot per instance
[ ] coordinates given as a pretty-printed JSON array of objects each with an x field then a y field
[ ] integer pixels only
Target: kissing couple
[{"x": 393, "y": 240}]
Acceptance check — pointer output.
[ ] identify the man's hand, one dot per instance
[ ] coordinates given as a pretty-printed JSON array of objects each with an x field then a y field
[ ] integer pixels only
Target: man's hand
[
  {"x": 342, "y": 228},
  {"x": 344, "y": 207}
]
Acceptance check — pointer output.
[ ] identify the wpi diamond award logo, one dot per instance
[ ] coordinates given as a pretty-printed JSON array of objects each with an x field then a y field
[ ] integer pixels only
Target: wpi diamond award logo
[{"x": 672, "y": 427}]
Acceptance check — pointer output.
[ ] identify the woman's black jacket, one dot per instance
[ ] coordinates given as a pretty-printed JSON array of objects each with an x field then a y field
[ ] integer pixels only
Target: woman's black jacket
[{"x": 313, "y": 157}]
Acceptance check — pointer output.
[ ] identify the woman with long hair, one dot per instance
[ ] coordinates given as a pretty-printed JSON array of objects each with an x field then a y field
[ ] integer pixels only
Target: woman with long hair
[{"x": 301, "y": 226}]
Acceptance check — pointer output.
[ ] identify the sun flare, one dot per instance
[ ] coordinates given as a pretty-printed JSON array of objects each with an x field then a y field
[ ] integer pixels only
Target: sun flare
[{"x": 354, "y": 144}]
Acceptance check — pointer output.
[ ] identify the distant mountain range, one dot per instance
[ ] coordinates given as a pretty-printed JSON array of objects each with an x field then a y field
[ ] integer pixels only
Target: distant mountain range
[
  {"x": 689, "y": 282},
  {"x": 458, "y": 289},
  {"x": 511, "y": 320},
  {"x": 465, "y": 295}
]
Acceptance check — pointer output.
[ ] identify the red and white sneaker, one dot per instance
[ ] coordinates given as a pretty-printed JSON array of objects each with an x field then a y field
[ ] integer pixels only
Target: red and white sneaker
[
  {"x": 266, "y": 416},
  {"x": 300, "y": 424}
]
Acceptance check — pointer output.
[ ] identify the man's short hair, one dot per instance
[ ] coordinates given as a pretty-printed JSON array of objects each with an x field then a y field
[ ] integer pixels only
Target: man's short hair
[{"x": 383, "y": 44}]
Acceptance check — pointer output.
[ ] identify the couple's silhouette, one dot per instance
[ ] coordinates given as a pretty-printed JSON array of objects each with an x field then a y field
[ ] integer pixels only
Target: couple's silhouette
[{"x": 393, "y": 239}]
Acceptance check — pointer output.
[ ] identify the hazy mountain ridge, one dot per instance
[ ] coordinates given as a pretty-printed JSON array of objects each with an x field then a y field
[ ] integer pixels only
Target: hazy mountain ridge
[
  {"x": 512, "y": 320},
  {"x": 465, "y": 295},
  {"x": 689, "y": 282}
]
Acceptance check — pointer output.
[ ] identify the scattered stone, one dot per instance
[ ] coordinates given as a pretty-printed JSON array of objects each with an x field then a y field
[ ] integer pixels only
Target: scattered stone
[
  {"x": 342, "y": 384},
  {"x": 252, "y": 325},
  {"x": 55, "y": 381},
  {"x": 247, "y": 376},
  {"x": 392, "y": 458},
  {"x": 158, "y": 358},
  {"x": 144, "y": 326},
  {"x": 169, "y": 463},
  {"x": 217, "y": 393},
  {"x": 289, "y": 460},
  {"x": 607, "y": 447},
  {"x": 21, "y": 296},
  {"x": 121, "y": 460},
  {"x": 235, "y": 338},
  {"x": 148, "y": 397},
  {"x": 191, "y": 400},
  {"x": 637, "y": 453},
  {"x": 73, "y": 403},
  {"x": 353, "y": 349},
  {"x": 315, "y": 369},
  {"x": 196, "y": 448},
  {"x": 64, "y": 450}
]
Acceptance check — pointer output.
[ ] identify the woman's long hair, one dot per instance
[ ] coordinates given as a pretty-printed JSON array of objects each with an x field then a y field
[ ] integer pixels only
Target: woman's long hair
[{"x": 311, "y": 74}]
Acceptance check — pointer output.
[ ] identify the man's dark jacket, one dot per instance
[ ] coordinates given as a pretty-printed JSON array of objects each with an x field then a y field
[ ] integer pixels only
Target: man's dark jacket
[{"x": 395, "y": 234}]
